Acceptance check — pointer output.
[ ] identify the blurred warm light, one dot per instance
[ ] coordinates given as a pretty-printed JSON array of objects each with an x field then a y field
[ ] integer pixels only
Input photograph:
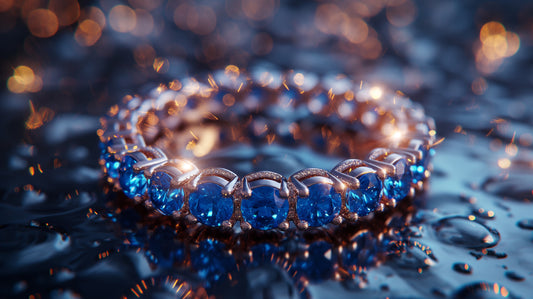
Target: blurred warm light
[
  {"x": 180, "y": 16},
  {"x": 42, "y": 23},
  {"x": 122, "y": 18},
  {"x": 232, "y": 71},
  {"x": 365, "y": 8},
  {"x": 513, "y": 43},
  {"x": 496, "y": 44},
  {"x": 259, "y": 9},
  {"x": 23, "y": 75},
  {"x": 490, "y": 30},
  {"x": 175, "y": 84},
  {"x": 355, "y": 30},
  {"x": 228, "y": 99},
  {"x": 397, "y": 136},
  {"x": 511, "y": 149},
  {"x": 161, "y": 65},
  {"x": 67, "y": 11},
  {"x": 95, "y": 14},
  {"x": 376, "y": 92},
  {"x": 299, "y": 79},
  {"x": 88, "y": 33},
  {"x": 144, "y": 24},
  {"x": 24, "y": 80},
  {"x": 504, "y": 163},
  {"x": 204, "y": 141},
  {"x": 38, "y": 117},
  {"x": 328, "y": 17},
  {"x": 14, "y": 86},
  {"x": 6, "y": 5},
  {"x": 401, "y": 13},
  {"x": 144, "y": 55}
]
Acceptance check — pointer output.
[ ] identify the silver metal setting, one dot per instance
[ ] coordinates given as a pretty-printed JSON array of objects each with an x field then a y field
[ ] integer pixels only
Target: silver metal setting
[{"x": 123, "y": 134}]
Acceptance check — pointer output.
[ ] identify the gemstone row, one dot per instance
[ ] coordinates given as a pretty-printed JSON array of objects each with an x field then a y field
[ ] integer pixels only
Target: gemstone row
[{"x": 265, "y": 209}]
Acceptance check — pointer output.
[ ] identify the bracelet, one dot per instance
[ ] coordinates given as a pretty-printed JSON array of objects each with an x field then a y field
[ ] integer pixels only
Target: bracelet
[{"x": 149, "y": 145}]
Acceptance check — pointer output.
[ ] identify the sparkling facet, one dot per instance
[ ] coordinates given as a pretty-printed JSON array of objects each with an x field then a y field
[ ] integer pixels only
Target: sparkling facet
[
  {"x": 397, "y": 187},
  {"x": 365, "y": 199},
  {"x": 419, "y": 169},
  {"x": 321, "y": 206},
  {"x": 132, "y": 183},
  {"x": 209, "y": 206},
  {"x": 112, "y": 165},
  {"x": 163, "y": 198},
  {"x": 264, "y": 209}
]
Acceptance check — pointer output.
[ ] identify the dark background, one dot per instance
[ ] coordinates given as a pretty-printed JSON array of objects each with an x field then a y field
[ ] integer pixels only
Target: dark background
[{"x": 64, "y": 63}]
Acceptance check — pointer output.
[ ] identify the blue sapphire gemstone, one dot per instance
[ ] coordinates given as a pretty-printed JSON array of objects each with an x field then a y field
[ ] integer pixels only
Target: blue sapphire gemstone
[
  {"x": 132, "y": 183},
  {"x": 263, "y": 254},
  {"x": 421, "y": 166},
  {"x": 366, "y": 199},
  {"x": 363, "y": 254},
  {"x": 112, "y": 165},
  {"x": 397, "y": 187},
  {"x": 321, "y": 206},
  {"x": 211, "y": 260},
  {"x": 319, "y": 264},
  {"x": 164, "y": 199},
  {"x": 209, "y": 206},
  {"x": 265, "y": 209},
  {"x": 163, "y": 249},
  {"x": 110, "y": 162}
]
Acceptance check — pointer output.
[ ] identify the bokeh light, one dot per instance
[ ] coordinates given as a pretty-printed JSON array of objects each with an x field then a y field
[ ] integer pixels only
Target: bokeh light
[
  {"x": 23, "y": 80},
  {"x": 122, "y": 18},
  {"x": 496, "y": 43},
  {"x": 42, "y": 23}
]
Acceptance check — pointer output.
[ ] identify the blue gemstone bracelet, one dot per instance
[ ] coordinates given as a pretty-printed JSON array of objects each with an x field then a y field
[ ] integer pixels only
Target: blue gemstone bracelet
[{"x": 140, "y": 137}]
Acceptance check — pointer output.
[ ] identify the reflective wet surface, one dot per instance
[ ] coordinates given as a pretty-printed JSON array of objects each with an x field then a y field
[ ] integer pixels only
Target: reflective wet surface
[{"x": 64, "y": 233}]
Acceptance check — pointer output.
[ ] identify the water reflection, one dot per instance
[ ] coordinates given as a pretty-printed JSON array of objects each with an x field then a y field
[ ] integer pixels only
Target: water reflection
[{"x": 214, "y": 259}]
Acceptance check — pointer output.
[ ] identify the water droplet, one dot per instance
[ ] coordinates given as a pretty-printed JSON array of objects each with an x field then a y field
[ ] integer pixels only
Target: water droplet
[
  {"x": 463, "y": 232},
  {"x": 514, "y": 276},
  {"x": 416, "y": 255},
  {"x": 525, "y": 224},
  {"x": 462, "y": 268},
  {"x": 515, "y": 186},
  {"x": 483, "y": 213},
  {"x": 498, "y": 255},
  {"x": 483, "y": 290}
]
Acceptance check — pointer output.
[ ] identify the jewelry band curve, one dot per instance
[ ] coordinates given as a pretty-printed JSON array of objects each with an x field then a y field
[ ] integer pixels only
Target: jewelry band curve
[{"x": 137, "y": 139}]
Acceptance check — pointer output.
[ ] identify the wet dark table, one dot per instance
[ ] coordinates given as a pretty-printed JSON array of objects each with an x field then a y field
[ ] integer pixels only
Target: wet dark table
[{"x": 65, "y": 234}]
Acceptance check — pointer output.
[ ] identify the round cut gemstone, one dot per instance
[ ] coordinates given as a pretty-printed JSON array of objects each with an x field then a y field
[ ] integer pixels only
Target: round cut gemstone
[
  {"x": 321, "y": 206},
  {"x": 164, "y": 199},
  {"x": 112, "y": 165},
  {"x": 421, "y": 166},
  {"x": 365, "y": 199},
  {"x": 397, "y": 187},
  {"x": 209, "y": 206},
  {"x": 211, "y": 260},
  {"x": 265, "y": 209},
  {"x": 318, "y": 265},
  {"x": 132, "y": 183}
]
